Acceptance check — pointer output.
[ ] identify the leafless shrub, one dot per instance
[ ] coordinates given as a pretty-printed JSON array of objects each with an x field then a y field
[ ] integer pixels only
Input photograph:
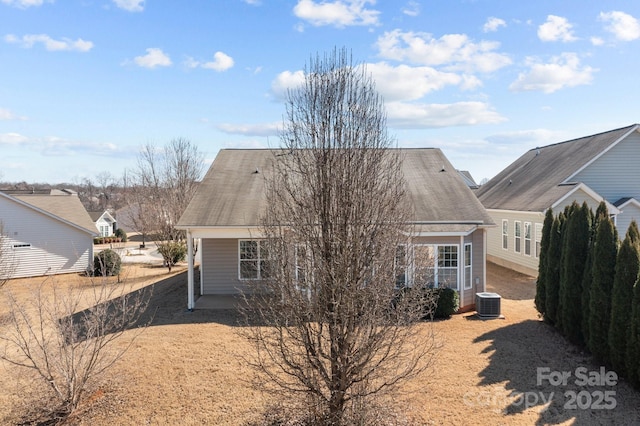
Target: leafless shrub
[{"x": 69, "y": 338}]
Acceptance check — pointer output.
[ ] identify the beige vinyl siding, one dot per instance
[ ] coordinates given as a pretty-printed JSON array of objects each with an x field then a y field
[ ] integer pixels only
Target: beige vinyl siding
[
  {"x": 615, "y": 174},
  {"x": 509, "y": 257},
  {"x": 579, "y": 197},
  {"x": 38, "y": 245},
  {"x": 220, "y": 266}
]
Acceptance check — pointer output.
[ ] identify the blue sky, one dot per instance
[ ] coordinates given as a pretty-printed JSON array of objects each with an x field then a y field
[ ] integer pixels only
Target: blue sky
[{"x": 85, "y": 83}]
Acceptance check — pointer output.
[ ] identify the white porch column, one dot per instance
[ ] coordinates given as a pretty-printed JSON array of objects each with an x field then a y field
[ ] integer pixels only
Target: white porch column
[{"x": 190, "y": 301}]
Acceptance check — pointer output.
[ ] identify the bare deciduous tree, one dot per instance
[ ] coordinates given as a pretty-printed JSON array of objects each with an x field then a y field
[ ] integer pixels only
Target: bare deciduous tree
[
  {"x": 67, "y": 346},
  {"x": 337, "y": 331},
  {"x": 159, "y": 189}
]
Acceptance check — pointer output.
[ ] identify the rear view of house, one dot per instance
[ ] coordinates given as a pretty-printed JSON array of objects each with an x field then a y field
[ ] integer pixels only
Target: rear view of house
[
  {"x": 591, "y": 169},
  {"x": 450, "y": 223},
  {"x": 44, "y": 233}
]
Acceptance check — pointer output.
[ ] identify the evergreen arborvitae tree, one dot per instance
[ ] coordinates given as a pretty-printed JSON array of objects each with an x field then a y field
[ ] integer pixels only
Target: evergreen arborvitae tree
[
  {"x": 632, "y": 359},
  {"x": 627, "y": 266},
  {"x": 552, "y": 283},
  {"x": 587, "y": 277},
  {"x": 575, "y": 250},
  {"x": 605, "y": 251},
  {"x": 564, "y": 252},
  {"x": 541, "y": 290}
]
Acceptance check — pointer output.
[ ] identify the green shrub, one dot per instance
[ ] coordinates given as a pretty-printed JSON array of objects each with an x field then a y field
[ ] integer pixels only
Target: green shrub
[
  {"x": 121, "y": 234},
  {"x": 173, "y": 252},
  {"x": 107, "y": 263},
  {"x": 448, "y": 302}
]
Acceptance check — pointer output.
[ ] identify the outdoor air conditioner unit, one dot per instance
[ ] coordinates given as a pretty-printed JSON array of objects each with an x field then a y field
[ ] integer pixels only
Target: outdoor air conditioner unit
[{"x": 488, "y": 305}]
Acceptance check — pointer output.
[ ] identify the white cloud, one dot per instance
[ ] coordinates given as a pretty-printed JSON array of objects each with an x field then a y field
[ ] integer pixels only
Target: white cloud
[
  {"x": 455, "y": 51},
  {"x": 284, "y": 81},
  {"x": 563, "y": 71},
  {"x": 265, "y": 129},
  {"x": 556, "y": 28},
  {"x": 420, "y": 116},
  {"x": 596, "y": 41},
  {"x": 23, "y": 4},
  {"x": 221, "y": 62},
  {"x": 409, "y": 83},
  {"x": 65, "y": 44},
  {"x": 533, "y": 137},
  {"x": 622, "y": 25},
  {"x": 412, "y": 8},
  {"x": 6, "y": 115},
  {"x": 154, "y": 58},
  {"x": 339, "y": 13},
  {"x": 253, "y": 2},
  {"x": 493, "y": 24},
  {"x": 130, "y": 5},
  {"x": 12, "y": 139}
]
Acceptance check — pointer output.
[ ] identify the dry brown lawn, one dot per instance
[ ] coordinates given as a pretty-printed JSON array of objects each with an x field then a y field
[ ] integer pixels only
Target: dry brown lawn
[{"x": 188, "y": 368}]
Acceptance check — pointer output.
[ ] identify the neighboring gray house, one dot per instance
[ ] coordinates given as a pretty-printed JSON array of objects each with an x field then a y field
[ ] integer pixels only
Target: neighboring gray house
[
  {"x": 224, "y": 214},
  {"x": 604, "y": 166},
  {"x": 45, "y": 233},
  {"x": 105, "y": 223}
]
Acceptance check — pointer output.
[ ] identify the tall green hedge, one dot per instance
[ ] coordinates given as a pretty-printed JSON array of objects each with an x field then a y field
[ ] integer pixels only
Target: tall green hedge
[
  {"x": 541, "y": 283},
  {"x": 627, "y": 266},
  {"x": 604, "y": 263},
  {"x": 552, "y": 284}
]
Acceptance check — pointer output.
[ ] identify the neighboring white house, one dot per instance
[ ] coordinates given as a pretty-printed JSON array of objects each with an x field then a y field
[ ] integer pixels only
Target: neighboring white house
[
  {"x": 45, "y": 233},
  {"x": 105, "y": 223},
  {"x": 604, "y": 166},
  {"x": 225, "y": 212}
]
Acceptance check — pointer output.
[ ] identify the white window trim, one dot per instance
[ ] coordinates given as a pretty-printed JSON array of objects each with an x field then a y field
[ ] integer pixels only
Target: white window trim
[
  {"x": 436, "y": 267},
  {"x": 537, "y": 239},
  {"x": 259, "y": 260},
  {"x": 527, "y": 239},
  {"x": 468, "y": 269},
  {"x": 505, "y": 233},
  {"x": 517, "y": 224}
]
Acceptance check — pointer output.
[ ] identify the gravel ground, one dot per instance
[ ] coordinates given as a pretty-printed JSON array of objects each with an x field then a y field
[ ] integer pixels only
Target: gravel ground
[{"x": 188, "y": 368}]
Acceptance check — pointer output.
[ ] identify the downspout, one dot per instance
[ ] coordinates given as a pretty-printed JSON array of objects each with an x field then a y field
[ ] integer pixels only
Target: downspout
[
  {"x": 190, "y": 301},
  {"x": 484, "y": 260}
]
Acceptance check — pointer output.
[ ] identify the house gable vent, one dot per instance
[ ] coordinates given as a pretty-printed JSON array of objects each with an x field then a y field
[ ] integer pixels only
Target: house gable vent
[{"x": 488, "y": 305}]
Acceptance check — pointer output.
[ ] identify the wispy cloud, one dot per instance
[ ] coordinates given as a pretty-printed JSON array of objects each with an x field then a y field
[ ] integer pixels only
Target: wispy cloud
[
  {"x": 412, "y": 8},
  {"x": 56, "y": 146},
  {"x": 7, "y": 115},
  {"x": 221, "y": 62},
  {"x": 130, "y": 5},
  {"x": 154, "y": 58},
  {"x": 493, "y": 24},
  {"x": 264, "y": 129},
  {"x": 452, "y": 51},
  {"x": 420, "y": 116},
  {"x": 23, "y": 4},
  {"x": 556, "y": 28},
  {"x": 561, "y": 72},
  {"x": 12, "y": 139},
  {"x": 622, "y": 25},
  {"x": 65, "y": 44},
  {"x": 338, "y": 13}
]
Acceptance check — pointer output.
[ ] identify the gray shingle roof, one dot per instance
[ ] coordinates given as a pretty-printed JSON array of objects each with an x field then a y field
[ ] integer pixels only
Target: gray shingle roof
[
  {"x": 232, "y": 193},
  {"x": 541, "y": 176},
  {"x": 64, "y": 206}
]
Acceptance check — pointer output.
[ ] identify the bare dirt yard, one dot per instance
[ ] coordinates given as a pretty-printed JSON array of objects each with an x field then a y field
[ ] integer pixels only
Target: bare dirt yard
[{"x": 189, "y": 368}]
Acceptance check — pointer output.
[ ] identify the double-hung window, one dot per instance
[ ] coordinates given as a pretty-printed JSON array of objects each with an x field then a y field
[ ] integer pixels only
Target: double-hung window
[
  {"x": 254, "y": 260},
  {"x": 517, "y": 236},
  {"x": 538, "y": 238},
  {"x": 527, "y": 238},
  {"x": 447, "y": 273},
  {"x": 467, "y": 266},
  {"x": 505, "y": 234}
]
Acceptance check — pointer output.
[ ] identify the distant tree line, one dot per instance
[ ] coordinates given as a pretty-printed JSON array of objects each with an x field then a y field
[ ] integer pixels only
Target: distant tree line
[{"x": 588, "y": 285}]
